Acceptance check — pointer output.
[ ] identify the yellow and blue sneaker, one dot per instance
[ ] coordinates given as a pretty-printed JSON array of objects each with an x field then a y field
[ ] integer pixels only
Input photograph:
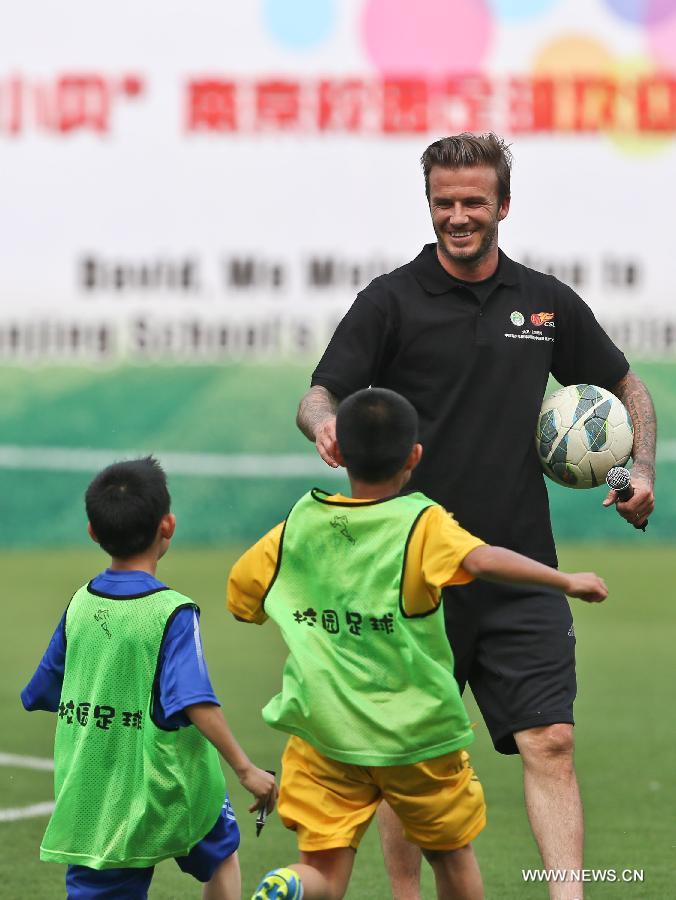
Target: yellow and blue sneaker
[{"x": 279, "y": 884}]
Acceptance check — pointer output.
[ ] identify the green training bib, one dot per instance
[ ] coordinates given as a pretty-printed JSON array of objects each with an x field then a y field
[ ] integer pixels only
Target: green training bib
[
  {"x": 363, "y": 683},
  {"x": 128, "y": 793}
]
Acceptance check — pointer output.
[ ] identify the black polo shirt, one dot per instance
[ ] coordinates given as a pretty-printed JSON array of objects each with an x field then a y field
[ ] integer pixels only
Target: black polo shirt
[{"x": 475, "y": 364}]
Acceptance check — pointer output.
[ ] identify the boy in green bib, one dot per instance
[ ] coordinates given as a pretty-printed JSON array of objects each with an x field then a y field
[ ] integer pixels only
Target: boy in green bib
[
  {"x": 368, "y": 694},
  {"x": 136, "y": 768}
]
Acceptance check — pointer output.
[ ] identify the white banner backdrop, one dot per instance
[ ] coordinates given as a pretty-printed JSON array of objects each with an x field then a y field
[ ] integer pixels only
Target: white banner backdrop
[{"x": 216, "y": 181}]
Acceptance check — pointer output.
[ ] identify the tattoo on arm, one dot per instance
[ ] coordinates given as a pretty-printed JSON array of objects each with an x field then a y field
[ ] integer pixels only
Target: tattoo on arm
[
  {"x": 315, "y": 407},
  {"x": 635, "y": 396}
]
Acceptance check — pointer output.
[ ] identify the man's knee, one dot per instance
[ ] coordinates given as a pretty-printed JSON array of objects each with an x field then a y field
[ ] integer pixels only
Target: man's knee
[{"x": 552, "y": 743}]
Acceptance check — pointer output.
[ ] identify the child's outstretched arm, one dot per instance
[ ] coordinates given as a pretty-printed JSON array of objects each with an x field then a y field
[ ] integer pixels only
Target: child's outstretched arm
[
  {"x": 208, "y": 718},
  {"x": 500, "y": 564}
]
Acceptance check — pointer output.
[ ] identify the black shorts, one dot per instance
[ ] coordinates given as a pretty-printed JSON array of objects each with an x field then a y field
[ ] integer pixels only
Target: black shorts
[{"x": 515, "y": 647}]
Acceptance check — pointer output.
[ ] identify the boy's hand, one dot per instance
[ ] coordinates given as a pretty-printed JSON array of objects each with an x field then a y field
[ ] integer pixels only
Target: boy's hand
[
  {"x": 208, "y": 718},
  {"x": 262, "y": 785},
  {"x": 587, "y": 586}
]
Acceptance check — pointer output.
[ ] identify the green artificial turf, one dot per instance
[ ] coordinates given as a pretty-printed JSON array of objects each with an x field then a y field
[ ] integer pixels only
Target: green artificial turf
[{"x": 625, "y": 725}]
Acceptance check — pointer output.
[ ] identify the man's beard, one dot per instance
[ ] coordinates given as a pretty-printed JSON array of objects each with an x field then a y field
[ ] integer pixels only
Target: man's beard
[{"x": 487, "y": 243}]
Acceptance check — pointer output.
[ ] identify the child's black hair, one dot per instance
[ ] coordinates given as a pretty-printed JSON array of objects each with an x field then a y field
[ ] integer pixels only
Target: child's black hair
[
  {"x": 125, "y": 503},
  {"x": 376, "y": 429}
]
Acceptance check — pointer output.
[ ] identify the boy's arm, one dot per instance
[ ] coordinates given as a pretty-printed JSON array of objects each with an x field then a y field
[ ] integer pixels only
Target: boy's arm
[
  {"x": 184, "y": 674},
  {"x": 209, "y": 719},
  {"x": 251, "y": 577},
  {"x": 436, "y": 548},
  {"x": 499, "y": 564},
  {"x": 43, "y": 691},
  {"x": 186, "y": 697}
]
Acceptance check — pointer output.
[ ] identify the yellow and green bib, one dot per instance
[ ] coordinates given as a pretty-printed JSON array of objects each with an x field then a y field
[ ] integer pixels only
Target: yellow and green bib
[{"x": 363, "y": 683}]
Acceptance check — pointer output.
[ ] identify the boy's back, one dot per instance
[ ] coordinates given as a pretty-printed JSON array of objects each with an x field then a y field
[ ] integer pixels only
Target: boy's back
[
  {"x": 139, "y": 729},
  {"x": 368, "y": 693},
  {"x": 369, "y": 677},
  {"x": 153, "y": 792}
]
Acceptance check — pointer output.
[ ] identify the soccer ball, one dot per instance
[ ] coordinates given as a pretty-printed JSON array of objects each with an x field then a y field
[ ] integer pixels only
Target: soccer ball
[{"x": 582, "y": 432}]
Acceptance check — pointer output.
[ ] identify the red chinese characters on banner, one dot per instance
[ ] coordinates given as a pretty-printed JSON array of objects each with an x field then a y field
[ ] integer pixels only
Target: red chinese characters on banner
[
  {"x": 471, "y": 102},
  {"x": 11, "y": 108},
  {"x": 78, "y": 101},
  {"x": 656, "y": 105},
  {"x": 342, "y": 104},
  {"x": 529, "y": 106},
  {"x": 69, "y": 103},
  {"x": 227, "y": 106},
  {"x": 211, "y": 106},
  {"x": 405, "y": 106},
  {"x": 86, "y": 102},
  {"x": 464, "y": 103},
  {"x": 277, "y": 105},
  {"x": 352, "y": 105}
]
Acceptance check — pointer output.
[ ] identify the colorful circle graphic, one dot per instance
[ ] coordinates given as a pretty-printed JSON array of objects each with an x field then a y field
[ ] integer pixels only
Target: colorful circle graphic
[
  {"x": 581, "y": 56},
  {"x": 573, "y": 54},
  {"x": 662, "y": 43},
  {"x": 637, "y": 145},
  {"x": 643, "y": 12},
  {"x": 427, "y": 37},
  {"x": 299, "y": 24},
  {"x": 520, "y": 9}
]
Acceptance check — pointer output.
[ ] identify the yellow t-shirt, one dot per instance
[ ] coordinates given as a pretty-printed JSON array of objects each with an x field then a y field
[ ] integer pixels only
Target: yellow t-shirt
[{"x": 434, "y": 558}]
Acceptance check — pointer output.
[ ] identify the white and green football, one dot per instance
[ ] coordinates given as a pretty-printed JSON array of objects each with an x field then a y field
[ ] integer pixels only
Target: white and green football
[{"x": 582, "y": 432}]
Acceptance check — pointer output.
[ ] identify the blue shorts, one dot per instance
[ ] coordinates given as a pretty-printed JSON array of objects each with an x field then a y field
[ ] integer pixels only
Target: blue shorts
[{"x": 83, "y": 883}]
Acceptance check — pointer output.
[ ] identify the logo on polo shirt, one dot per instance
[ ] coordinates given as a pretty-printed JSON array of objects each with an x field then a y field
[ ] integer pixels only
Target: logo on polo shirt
[
  {"x": 517, "y": 318},
  {"x": 542, "y": 318}
]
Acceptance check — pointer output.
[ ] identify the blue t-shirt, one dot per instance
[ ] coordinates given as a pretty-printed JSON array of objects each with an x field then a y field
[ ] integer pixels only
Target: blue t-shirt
[{"x": 184, "y": 678}]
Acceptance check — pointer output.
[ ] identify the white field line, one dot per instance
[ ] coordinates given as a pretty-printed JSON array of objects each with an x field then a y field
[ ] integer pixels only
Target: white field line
[
  {"x": 27, "y": 812},
  {"x": 205, "y": 465},
  {"x": 26, "y": 762},
  {"x": 14, "y": 760}
]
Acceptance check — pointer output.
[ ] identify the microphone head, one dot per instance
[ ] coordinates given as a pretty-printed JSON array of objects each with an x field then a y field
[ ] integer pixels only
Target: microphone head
[{"x": 618, "y": 478}]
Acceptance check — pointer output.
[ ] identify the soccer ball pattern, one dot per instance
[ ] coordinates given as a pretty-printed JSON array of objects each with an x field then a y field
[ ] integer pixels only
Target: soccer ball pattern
[{"x": 582, "y": 432}]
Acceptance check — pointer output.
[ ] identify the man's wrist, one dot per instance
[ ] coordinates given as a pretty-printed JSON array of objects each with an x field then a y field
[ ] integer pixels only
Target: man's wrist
[
  {"x": 325, "y": 422},
  {"x": 644, "y": 471},
  {"x": 316, "y": 408}
]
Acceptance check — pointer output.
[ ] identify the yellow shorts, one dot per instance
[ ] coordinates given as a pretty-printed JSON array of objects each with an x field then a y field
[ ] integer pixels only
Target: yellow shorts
[{"x": 330, "y": 804}]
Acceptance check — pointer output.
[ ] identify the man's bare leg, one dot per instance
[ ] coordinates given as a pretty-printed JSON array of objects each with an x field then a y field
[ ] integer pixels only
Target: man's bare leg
[
  {"x": 456, "y": 873},
  {"x": 553, "y": 801},
  {"x": 402, "y": 859}
]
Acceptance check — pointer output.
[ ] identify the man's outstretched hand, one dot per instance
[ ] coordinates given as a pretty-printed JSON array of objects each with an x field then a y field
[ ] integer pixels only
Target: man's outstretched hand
[{"x": 325, "y": 441}]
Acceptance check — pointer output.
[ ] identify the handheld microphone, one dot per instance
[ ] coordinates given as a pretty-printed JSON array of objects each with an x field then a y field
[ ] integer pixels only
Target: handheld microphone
[{"x": 619, "y": 480}]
